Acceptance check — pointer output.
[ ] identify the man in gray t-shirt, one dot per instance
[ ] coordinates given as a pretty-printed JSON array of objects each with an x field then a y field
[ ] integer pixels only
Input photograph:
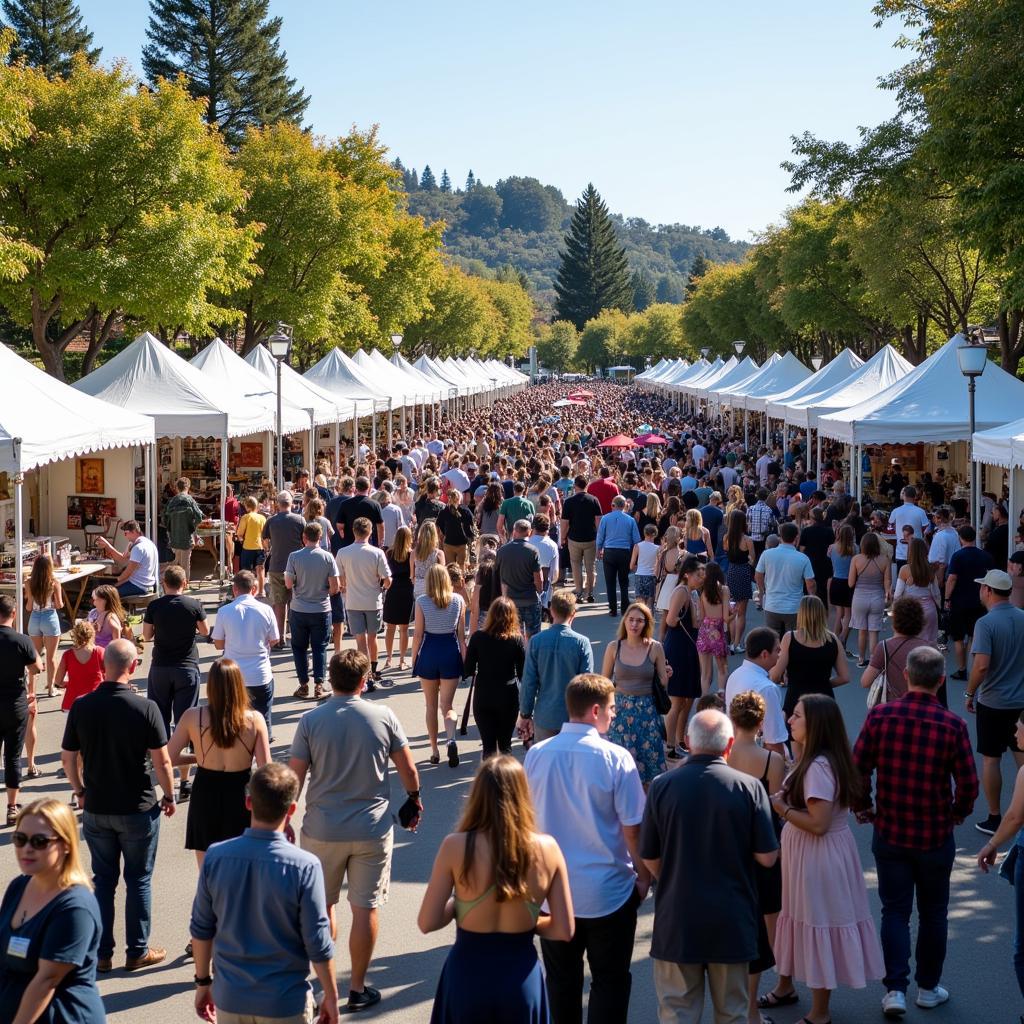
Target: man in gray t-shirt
[
  {"x": 282, "y": 534},
  {"x": 348, "y": 742},
  {"x": 312, "y": 577}
]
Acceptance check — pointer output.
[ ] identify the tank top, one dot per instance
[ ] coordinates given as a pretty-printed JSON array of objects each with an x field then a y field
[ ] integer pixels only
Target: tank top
[
  {"x": 697, "y": 546},
  {"x": 809, "y": 669},
  {"x": 737, "y": 556},
  {"x": 871, "y": 578},
  {"x": 634, "y": 680},
  {"x": 422, "y": 568}
]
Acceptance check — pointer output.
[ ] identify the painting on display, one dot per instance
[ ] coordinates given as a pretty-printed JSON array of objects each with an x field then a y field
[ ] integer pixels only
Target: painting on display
[
  {"x": 85, "y": 511},
  {"x": 89, "y": 476},
  {"x": 250, "y": 454}
]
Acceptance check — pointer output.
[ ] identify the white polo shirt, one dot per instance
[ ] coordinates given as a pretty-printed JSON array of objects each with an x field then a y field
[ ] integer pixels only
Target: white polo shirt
[
  {"x": 750, "y": 676},
  {"x": 248, "y": 628},
  {"x": 584, "y": 790},
  {"x": 907, "y": 514}
]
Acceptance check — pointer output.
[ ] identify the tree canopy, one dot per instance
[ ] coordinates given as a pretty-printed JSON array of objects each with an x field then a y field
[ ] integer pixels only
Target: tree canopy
[{"x": 50, "y": 33}]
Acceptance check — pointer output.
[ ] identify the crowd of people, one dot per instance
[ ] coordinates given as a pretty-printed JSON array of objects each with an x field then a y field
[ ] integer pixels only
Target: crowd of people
[{"x": 729, "y": 793}]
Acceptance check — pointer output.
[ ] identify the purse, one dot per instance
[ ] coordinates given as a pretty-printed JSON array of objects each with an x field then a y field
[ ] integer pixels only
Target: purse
[{"x": 879, "y": 688}]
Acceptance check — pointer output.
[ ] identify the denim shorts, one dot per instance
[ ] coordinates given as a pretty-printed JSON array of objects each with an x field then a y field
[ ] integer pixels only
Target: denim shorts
[
  {"x": 529, "y": 616},
  {"x": 44, "y": 622}
]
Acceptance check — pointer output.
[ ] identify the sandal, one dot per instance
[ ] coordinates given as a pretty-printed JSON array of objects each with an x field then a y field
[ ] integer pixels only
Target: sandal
[
  {"x": 771, "y": 1000},
  {"x": 33, "y": 772},
  {"x": 435, "y": 758},
  {"x": 12, "y": 814}
]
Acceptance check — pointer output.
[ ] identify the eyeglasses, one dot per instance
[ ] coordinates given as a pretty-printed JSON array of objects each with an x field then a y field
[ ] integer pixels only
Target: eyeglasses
[{"x": 37, "y": 842}]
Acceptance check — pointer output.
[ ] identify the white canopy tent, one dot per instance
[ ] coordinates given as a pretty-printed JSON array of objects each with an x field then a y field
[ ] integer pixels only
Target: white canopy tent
[
  {"x": 444, "y": 378},
  {"x": 42, "y": 421},
  {"x": 340, "y": 378},
  {"x": 715, "y": 374},
  {"x": 730, "y": 392},
  {"x": 653, "y": 371},
  {"x": 833, "y": 374},
  {"x": 1004, "y": 446},
  {"x": 784, "y": 375},
  {"x": 682, "y": 374},
  {"x": 148, "y": 378},
  {"x": 710, "y": 373}
]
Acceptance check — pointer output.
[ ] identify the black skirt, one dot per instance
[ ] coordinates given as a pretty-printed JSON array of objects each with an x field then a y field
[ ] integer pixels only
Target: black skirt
[{"x": 216, "y": 810}]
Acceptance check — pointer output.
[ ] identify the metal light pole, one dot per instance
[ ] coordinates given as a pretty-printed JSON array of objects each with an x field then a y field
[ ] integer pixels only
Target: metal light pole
[
  {"x": 972, "y": 358},
  {"x": 280, "y": 345},
  {"x": 494, "y": 388}
]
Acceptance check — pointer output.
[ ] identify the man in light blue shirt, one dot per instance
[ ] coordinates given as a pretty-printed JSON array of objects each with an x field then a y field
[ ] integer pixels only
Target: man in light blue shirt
[
  {"x": 616, "y": 536},
  {"x": 782, "y": 572},
  {"x": 262, "y": 899},
  {"x": 553, "y": 657},
  {"x": 588, "y": 795}
]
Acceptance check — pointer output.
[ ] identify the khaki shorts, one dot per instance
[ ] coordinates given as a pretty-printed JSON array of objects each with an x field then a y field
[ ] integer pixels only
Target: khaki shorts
[
  {"x": 367, "y": 863},
  {"x": 307, "y": 1016},
  {"x": 279, "y": 593}
]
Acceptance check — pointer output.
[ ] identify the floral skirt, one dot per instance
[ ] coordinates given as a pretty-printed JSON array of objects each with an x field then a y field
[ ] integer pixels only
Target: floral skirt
[
  {"x": 711, "y": 638},
  {"x": 639, "y": 728}
]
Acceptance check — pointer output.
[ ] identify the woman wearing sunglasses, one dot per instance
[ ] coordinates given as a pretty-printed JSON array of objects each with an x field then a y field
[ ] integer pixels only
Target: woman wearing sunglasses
[{"x": 49, "y": 925}]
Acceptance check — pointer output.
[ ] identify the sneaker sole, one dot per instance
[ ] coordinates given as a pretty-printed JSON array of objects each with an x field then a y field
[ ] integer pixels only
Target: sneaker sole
[{"x": 985, "y": 830}]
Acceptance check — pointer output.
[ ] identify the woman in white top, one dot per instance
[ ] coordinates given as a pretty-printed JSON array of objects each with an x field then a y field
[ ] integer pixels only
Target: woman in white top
[{"x": 425, "y": 555}]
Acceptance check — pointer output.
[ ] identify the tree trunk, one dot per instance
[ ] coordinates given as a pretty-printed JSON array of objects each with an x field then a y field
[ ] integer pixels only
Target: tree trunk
[{"x": 99, "y": 335}]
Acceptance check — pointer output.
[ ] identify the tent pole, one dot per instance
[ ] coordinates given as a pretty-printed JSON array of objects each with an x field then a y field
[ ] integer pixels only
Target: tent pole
[
  {"x": 373, "y": 431},
  {"x": 224, "y": 498},
  {"x": 1012, "y": 503},
  {"x": 312, "y": 446},
  {"x": 19, "y": 565},
  {"x": 337, "y": 443},
  {"x": 147, "y": 473},
  {"x": 355, "y": 432}
]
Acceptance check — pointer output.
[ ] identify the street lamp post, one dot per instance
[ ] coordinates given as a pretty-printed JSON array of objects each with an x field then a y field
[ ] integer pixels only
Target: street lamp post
[
  {"x": 494, "y": 388},
  {"x": 972, "y": 358},
  {"x": 738, "y": 346},
  {"x": 280, "y": 345},
  {"x": 396, "y": 344},
  {"x": 816, "y": 362}
]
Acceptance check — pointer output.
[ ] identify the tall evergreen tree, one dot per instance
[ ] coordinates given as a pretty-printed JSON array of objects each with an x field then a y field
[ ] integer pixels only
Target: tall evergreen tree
[
  {"x": 50, "y": 33},
  {"x": 412, "y": 181},
  {"x": 643, "y": 290},
  {"x": 446, "y": 182},
  {"x": 698, "y": 268},
  {"x": 427, "y": 180},
  {"x": 470, "y": 181},
  {"x": 230, "y": 53},
  {"x": 593, "y": 274}
]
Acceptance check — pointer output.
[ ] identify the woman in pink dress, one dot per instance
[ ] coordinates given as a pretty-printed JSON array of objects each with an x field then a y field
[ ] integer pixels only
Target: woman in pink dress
[{"x": 825, "y": 935}]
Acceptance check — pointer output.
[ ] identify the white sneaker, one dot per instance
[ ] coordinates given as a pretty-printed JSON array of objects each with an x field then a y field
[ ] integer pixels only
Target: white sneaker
[
  {"x": 929, "y": 998},
  {"x": 894, "y": 1004}
]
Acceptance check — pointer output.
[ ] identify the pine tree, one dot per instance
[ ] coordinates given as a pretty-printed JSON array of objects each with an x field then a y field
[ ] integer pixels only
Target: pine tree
[
  {"x": 427, "y": 180},
  {"x": 643, "y": 290},
  {"x": 230, "y": 53},
  {"x": 698, "y": 268},
  {"x": 593, "y": 274},
  {"x": 50, "y": 33},
  {"x": 412, "y": 182},
  {"x": 470, "y": 181},
  {"x": 446, "y": 182}
]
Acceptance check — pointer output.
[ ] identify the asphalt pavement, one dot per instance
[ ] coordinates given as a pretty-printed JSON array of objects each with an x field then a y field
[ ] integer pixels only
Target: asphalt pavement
[{"x": 979, "y": 972}]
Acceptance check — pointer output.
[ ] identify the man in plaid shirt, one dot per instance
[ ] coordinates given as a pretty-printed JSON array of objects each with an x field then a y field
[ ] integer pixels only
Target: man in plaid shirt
[
  {"x": 761, "y": 521},
  {"x": 926, "y": 784}
]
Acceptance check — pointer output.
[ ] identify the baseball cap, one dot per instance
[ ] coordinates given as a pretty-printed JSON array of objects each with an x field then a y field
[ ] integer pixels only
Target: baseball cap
[{"x": 996, "y": 579}]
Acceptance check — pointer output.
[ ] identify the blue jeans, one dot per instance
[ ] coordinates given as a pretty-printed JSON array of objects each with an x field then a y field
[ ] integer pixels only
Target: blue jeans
[
  {"x": 129, "y": 589},
  {"x": 310, "y": 629},
  {"x": 1018, "y": 938},
  {"x": 133, "y": 838},
  {"x": 262, "y": 700},
  {"x": 902, "y": 872}
]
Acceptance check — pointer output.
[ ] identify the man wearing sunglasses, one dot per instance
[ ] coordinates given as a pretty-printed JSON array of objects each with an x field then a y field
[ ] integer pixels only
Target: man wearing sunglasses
[{"x": 114, "y": 730}]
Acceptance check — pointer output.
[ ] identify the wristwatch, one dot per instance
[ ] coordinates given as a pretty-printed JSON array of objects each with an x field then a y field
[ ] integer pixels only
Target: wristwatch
[
  {"x": 203, "y": 982},
  {"x": 412, "y": 794},
  {"x": 167, "y": 799}
]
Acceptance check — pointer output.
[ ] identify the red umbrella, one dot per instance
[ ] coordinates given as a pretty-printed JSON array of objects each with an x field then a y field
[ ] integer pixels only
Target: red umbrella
[
  {"x": 617, "y": 441},
  {"x": 581, "y": 394},
  {"x": 650, "y": 439}
]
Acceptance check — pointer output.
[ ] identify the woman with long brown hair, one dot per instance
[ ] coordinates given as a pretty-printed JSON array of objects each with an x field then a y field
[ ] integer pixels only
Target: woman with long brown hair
[
  {"x": 739, "y": 551},
  {"x": 916, "y": 580},
  {"x": 49, "y": 924},
  {"x": 227, "y": 736},
  {"x": 870, "y": 580},
  {"x": 43, "y": 599},
  {"x": 398, "y": 598},
  {"x": 492, "y": 876},
  {"x": 840, "y": 596},
  {"x": 825, "y": 935},
  {"x": 107, "y": 616},
  {"x": 496, "y": 656}
]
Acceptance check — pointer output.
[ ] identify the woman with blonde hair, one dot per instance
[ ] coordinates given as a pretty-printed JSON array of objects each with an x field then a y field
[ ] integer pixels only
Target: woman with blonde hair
[
  {"x": 633, "y": 663},
  {"x": 696, "y": 536},
  {"x": 649, "y": 514},
  {"x": 426, "y": 553},
  {"x": 43, "y": 598},
  {"x": 492, "y": 876},
  {"x": 399, "y": 597},
  {"x": 49, "y": 924},
  {"x": 734, "y": 501},
  {"x": 438, "y": 655},
  {"x": 496, "y": 656},
  {"x": 916, "y": 580},
  {"x": 665, "y": 569},
  {"x": 404, "y": 499}
]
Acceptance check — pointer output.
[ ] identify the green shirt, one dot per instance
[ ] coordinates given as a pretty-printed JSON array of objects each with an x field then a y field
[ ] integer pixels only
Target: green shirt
[
  {"x": 181, "y": 516},
  {"x": 516, "y": 508}
]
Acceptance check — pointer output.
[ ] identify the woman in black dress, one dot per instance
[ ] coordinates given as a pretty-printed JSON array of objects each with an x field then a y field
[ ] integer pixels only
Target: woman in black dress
[
  {"x": 398, "y": 598},
  {"x": 496, "y": 655},
  {"x": 683, "y": 621}
]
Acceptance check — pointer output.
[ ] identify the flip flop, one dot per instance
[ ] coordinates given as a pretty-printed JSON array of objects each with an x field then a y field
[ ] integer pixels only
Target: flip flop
[{"x": 771, "y": 1000}]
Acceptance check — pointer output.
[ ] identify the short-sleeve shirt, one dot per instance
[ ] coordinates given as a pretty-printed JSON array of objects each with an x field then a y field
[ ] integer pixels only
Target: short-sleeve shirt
[
  {"x": 248, "y": 627},
  {"x": 895, "y": 653},
  {"x": 353, "y": 509},
  {"x": 945, "y": 544},
  {"x": 363, "y": 567},
  {"x": 311, "y": 570},
  {"x": 65, "y": 931},
  {"x": 284, "y": 531},
  {"x": 514, "y": 509},
  {"x": 785, "y": 570},
  {"x": 250, "y": 530},
  {"x": 174, "y": 618},
  {"x": 604, "y": 490},
  {"x": 16, "y": 654},
  {"x": 347, "y": 743},
  {"x": 704, "y": 822},
  {"x": 144, "y": 551},
  {"x": 515, "y": 565},
  {"x": 907, "y": 514},
  {"x": 1000, "y": 634},
  {"x": 968, "y": 564},
  {"x": 114, "y": 730},
  {"x": 579, "y": 512}
]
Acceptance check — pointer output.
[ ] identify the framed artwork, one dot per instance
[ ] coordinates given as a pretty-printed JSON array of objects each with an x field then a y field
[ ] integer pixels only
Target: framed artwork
[
  {"x": 250, "y": 453},
  {"x": 85, "y": 511},
  {"x": 89, "y": 476},
  {"x": 325, "y": 434}
]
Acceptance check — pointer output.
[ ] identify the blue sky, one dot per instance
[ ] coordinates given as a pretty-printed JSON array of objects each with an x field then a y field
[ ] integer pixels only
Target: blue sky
[{"x": 676, "y": 111}]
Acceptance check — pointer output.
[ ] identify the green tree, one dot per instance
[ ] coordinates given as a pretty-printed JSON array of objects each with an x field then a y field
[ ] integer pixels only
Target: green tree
[
  {"x": 593, "y": 274},
  {"x": 698, "y": 268},
  {"x": 527, "y": 205},
  {"x": 15, "y": 127},
  {"x": 149, "y": 231},
  {"x": 229, "y": 52},
  {"x": 557, "y": 346},
  {"x": 470, "y": 181},
  {"x": 428, "y": 183},
  {"x": 482, "y": 209},
  {"x": 446, "y": 182},
  {"x": 50, "y": 33},
  {"x": 514, "y": 316},
  {"x": 671, "y": 287},
  {"x": 655, "y": 332},
  {"x": 603, "y": 339},
  {"x": 643, "y": 290}
]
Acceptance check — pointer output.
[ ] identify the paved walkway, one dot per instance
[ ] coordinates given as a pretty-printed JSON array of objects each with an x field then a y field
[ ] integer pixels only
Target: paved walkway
[{"x": 979, "y": 971}]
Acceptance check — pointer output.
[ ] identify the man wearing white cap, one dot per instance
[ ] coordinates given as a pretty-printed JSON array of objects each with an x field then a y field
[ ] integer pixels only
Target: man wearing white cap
[{"x": 995, "y": 689}]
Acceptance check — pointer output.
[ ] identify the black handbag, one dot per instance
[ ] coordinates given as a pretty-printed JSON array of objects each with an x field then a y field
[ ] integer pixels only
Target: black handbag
[{"x": 662, "y": 702}]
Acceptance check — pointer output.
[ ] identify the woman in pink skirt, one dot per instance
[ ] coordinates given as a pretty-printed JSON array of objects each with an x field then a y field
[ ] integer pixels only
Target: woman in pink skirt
[{"x": 825, "y": 935}]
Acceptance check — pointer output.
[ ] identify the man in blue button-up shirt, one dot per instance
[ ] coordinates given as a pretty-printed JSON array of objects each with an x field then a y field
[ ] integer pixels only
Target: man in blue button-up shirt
[
  {"x": 553, "y": 657},
  {"x": 616, "y": 536},
  {"x": 262, "y": 898}
]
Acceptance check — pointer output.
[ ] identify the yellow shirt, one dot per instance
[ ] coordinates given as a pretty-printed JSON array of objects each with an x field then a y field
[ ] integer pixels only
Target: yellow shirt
[{"x": 250, "y": 530}]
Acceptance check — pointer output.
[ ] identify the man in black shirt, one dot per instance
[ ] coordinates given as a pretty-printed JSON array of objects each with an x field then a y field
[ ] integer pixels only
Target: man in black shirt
[
  {"x": 997, "y": 544},
  {"x": 114, "y": 730},
  {"x": 361, "y": 506},
  {"x": 16, "y": 654},
  {"x": 581, "y": 517},
  {"x": 172, "y": 622},
  {"x": 346, "y": 490}
]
